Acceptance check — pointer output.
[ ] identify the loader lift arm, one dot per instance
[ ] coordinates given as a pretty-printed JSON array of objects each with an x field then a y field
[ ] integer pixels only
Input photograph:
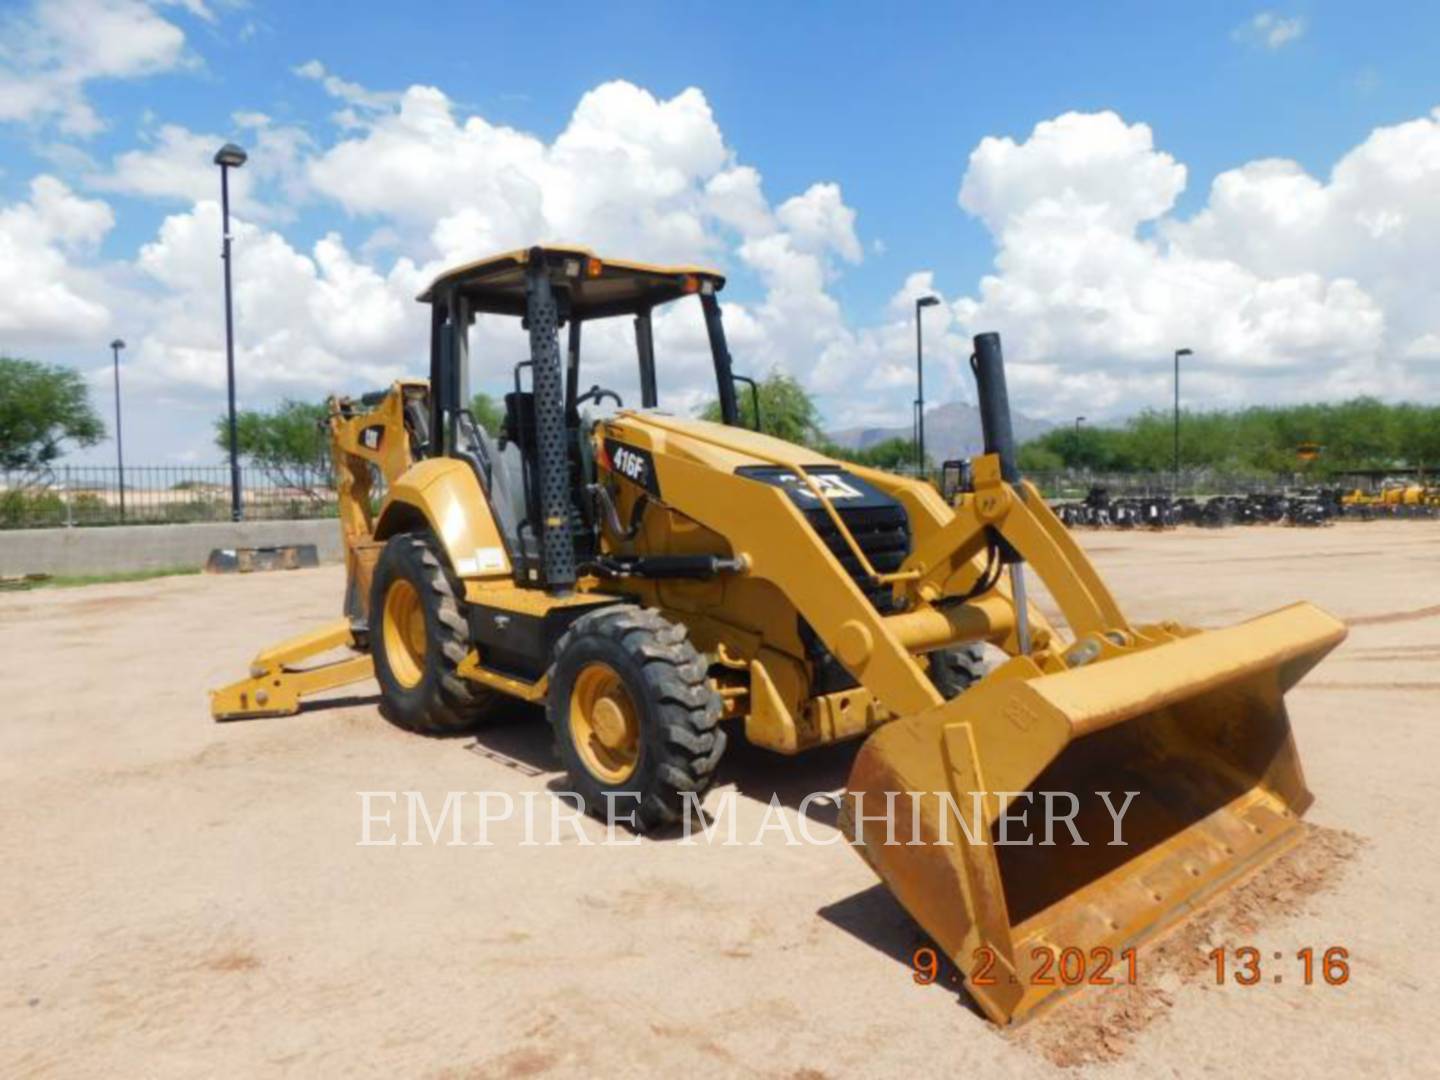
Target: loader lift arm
[{"x": 1193, "y": 722}]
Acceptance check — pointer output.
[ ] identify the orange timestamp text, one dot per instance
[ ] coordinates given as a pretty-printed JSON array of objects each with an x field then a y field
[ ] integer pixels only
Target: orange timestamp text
[{"x": 1071, "y": 966}]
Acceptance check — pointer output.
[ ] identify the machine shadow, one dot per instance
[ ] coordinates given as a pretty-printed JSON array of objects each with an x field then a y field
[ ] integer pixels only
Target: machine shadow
[
  {"x": 348, "y": 701},
  {"x": 764, "y": 775},
  {"x": 876, "y": 918},
  {"x": 517, "y": 735}
]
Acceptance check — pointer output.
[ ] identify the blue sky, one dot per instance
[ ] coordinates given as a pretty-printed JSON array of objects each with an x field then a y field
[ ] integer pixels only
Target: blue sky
[{"x": 887, "y": 104}]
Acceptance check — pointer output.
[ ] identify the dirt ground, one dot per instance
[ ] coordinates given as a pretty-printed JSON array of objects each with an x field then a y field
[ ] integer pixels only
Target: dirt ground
[{"x": 180, "y": 898}]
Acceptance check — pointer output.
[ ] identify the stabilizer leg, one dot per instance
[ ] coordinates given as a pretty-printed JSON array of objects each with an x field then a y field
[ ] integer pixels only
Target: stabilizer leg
[{"x": 275, "y": 688}]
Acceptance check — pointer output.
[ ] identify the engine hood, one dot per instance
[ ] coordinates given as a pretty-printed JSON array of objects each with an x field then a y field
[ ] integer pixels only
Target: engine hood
[{"x": 717, "y": 446}]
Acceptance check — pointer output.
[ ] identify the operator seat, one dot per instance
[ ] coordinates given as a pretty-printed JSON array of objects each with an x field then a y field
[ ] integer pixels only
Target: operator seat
[
  {"x": 507, "y": 494},
  {"x": 519, "y": 435}
]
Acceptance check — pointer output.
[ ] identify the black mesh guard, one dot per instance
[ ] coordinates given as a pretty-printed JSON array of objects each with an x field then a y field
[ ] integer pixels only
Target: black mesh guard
[{"x": 553, "y": 464}]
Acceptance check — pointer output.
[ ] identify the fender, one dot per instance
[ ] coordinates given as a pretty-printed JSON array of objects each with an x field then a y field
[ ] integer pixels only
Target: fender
[{"x": 443, "y": 495}]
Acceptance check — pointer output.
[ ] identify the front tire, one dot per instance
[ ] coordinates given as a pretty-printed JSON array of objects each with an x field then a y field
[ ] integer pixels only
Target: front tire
[
  {"x": 635, "y": 718},
  {"x": 419, "y": 636},
  {"x": 956, "y": 669}
]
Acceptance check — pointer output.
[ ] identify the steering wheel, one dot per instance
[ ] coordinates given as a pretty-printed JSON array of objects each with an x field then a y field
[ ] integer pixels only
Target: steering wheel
[{"x": 598, "y": 394}]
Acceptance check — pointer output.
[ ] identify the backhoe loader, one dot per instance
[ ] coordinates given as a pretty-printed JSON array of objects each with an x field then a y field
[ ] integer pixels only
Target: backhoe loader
[{"x": 659, "y": 583}]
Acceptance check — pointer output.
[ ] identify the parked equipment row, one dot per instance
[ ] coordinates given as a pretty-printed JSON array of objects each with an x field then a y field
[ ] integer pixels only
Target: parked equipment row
[{"x": 1301, "y": 506}]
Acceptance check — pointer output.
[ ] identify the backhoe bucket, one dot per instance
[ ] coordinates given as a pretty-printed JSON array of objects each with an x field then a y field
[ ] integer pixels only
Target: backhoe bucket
[{"x": 1028, "y": 903}]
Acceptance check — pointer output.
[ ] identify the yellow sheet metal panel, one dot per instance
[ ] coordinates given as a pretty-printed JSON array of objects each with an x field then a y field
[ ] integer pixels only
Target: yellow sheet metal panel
[
  {"x": 444, "y": 495},
  {"x": 1284, "y": 643},
  {"x": 526, "y": 600},
  {"x": 762, "y": 524}
]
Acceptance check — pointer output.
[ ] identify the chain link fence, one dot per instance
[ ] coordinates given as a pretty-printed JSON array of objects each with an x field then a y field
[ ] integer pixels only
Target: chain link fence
[
  {"x": 84, "y": 495},
  {"x": 89, "y": 495}
]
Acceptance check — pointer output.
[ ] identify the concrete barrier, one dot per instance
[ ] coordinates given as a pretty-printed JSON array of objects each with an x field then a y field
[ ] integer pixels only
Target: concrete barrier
[{"x": 124, "y": 548}]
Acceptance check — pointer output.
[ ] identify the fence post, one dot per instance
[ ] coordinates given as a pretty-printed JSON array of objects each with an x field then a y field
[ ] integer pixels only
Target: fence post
[{"x": 69, "y": 509}]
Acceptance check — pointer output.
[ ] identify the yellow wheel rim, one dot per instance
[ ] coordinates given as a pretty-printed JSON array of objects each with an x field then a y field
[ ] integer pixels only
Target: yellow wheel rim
[
  {"x": 604, "y": 723},
  {"x": 404, "y": 629}
]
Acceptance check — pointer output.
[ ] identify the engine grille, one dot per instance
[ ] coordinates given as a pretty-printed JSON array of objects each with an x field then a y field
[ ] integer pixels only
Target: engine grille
[
  {"x": 878, "y": 523},
  {"x": 882, "y": 533}
]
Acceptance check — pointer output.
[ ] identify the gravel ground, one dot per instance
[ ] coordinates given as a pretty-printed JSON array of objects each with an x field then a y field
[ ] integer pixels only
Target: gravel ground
[{"x": 182, "y": 898}]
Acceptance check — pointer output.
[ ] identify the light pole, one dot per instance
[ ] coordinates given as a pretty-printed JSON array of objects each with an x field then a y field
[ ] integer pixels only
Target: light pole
[
  {"x": 115, "y": 347},
  {"x": 1178, "y": 353},
  {"x": 230, "y": 157},
  {"x": 921, "y": 302},
  {"x": 1078, "y": 421}
]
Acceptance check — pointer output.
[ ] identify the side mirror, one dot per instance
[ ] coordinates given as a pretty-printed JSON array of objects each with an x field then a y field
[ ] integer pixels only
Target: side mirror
[
  {"x": 955, "y": 477},
  {"x": 754, "y": 395}
]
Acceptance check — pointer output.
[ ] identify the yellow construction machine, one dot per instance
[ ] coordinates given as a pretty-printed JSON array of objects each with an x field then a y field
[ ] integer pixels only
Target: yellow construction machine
[
  {"x": 656, "y": 582},
  {"x": 1394, "y": 498}
]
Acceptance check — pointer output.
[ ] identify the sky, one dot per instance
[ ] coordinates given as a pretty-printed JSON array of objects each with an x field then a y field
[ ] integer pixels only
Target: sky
[{"x": 1101, "y": 183}]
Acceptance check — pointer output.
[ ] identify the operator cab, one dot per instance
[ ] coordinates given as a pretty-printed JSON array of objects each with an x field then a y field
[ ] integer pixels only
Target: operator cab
[{"x": 539, "y": 472}]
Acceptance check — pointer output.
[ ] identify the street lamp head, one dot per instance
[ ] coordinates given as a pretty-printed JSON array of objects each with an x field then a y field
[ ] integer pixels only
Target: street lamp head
[
  {"x": 230, "y": 156},
  {"x": 117, "y": 344},
  {"x": 1184, "y": 352},
  {"x": 926, "y": 301}
]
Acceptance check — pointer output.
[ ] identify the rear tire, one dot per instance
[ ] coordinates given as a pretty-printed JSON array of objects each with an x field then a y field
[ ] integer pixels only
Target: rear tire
[
  {"x": 419, "y": 636},
  {"x": 636, "y": 721},
  {"x": 956, "y": 669}
]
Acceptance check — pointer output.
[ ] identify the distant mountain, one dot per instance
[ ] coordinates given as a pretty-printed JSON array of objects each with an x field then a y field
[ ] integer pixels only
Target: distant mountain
[{"x": 951, "y": 431}]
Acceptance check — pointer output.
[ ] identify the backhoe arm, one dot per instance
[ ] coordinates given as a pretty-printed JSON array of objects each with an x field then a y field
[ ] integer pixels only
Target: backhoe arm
[{"x": 364, "y": 438}]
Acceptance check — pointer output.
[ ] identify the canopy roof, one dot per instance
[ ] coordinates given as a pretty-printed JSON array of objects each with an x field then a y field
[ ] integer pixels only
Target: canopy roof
[{"x": 597, "y": 287}]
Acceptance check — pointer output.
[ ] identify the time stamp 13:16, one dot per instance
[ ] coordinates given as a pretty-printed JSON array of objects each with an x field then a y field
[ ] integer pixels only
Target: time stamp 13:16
[{"x": 1241, "y": 966}]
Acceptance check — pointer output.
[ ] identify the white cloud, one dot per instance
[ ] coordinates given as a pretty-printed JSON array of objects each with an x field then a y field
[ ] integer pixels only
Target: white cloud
[
  {"x": 1286, "y": 287},
  {"x": 1270, "y": 30},
  {"x": 198, "y": 8},
  {"x": 44, "y": 298},
  {"x": 734, "y": 197},
  {"x": 1080, "y": 168},
  {"x": 176, "y": 164},
  {"x": 630, "y": 174},
  {"x": 49, "y": 53},
  {"x": 1375, "y": 220},
  {"x": 819, "y": 221},
  {"x": 306, "y": 324},
  {"x": 348, "y": 92}
]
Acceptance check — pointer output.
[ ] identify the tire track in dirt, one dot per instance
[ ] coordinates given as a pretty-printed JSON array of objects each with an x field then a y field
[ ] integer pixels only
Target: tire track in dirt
[
  {"x": 1409, "y": 687},
  {"x": 1385, "y": 618}
]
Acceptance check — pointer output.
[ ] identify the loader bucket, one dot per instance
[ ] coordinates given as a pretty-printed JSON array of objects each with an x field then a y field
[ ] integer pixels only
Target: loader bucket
[{"x": 1195, "y": 726}]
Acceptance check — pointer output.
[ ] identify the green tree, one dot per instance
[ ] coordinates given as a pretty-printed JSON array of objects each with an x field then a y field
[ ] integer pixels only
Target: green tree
[
  {"x": 1363, "y": 433},
  {"x": 487, "y": 412},
  {"x": 786, "y": 410},
  {"x": 1036, "y": 458},
  {"x": 42, "y": 406},
  {"x": 289, "y": 442},
  {"x": 887, "y": 454}
]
